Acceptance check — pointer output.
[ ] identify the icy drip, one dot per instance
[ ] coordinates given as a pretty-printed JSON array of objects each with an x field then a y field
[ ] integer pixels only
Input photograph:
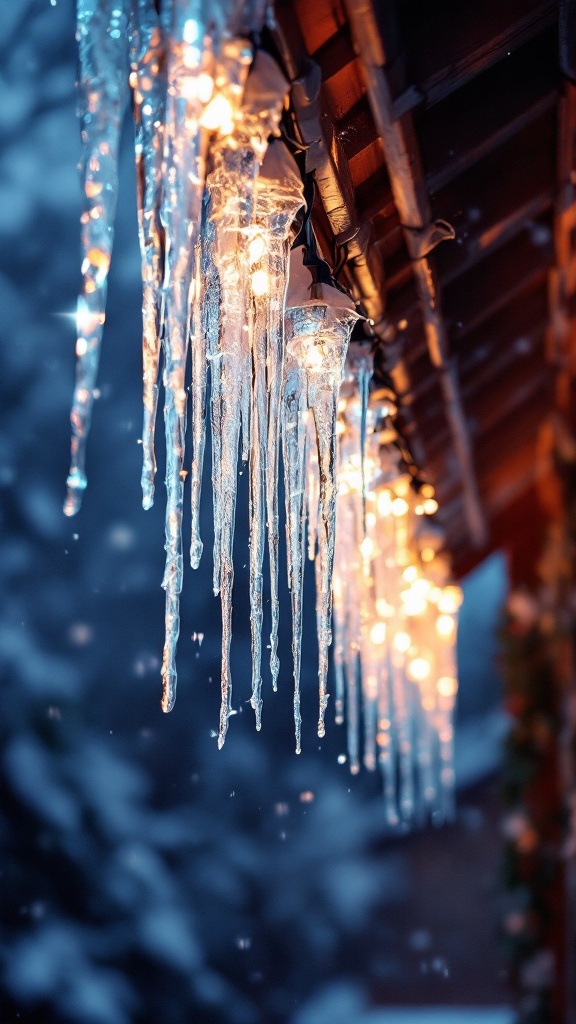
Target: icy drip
[
  {"x": 386, "y": 745},
  {"x": 324, "y": 365},
  {"x": 447, "y": 605},
  {"x": 279, "y": 195},
  {"x": 339, "y": 602},
  {"x": 231, "y": 186},
  {"x": 278, "y": 269},
  {"x": 149, "y": 99},
  {"x": 233, "y": 190},
  {"x": 294, "y": 452},
  {"x": 349, "y": 585},
  {"x": 312, "y": 489},
  {"x": 102, "y": 96},
  {"x": 317, "y": 339},
  {"x": 257, "y": 331},
  {"x": 205, "y": 330},
  {"x": 278, "y": 262},
  {"x": 180, "y": 212}
]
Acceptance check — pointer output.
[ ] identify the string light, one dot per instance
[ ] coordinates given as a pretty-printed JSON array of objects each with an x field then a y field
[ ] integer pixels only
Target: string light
[
  {"x": 395, "y": 622},
  {"x": 227, "y": 286}
]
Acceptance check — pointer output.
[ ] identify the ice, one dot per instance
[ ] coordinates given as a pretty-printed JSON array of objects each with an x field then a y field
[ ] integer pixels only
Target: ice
[
  {"x": 258, "y": 317},
  {"x": 294, "y": 451},
  {"x": 318, "y": 332},
  {"x": 230, "y": 210},
  {"x": 149, "y": 96},
  {"x": 205, "y": 324},
  {"x": 180, "y": 213},
  {"x": 394, "y": 617},
  {"x": 218, "y": 193},
  {"x": 239, "y": 412},
  {"x": 102, "y": 31},
  {"x": 279, "y": 196}
]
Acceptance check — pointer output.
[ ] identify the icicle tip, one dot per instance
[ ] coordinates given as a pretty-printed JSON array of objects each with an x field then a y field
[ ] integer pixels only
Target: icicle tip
[{"x": 76, "y": 484}]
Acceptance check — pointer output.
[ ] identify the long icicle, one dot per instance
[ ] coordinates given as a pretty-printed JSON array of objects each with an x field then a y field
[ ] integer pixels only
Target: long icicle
[
  {"x": 279, "y": 196},
  {"x": 294, "y": 452},
  {"x": 180, "y": 213},
  {"x": 324, "y": 370},
  {"x": 233, "y": 194},
  {"x": 257, "y": 330},
  {"x": 102, "y": 96},
  {"x": 231, "y": 184},
  {"x": 149, "y": 98},
  {"x": 205, "y": 324}
]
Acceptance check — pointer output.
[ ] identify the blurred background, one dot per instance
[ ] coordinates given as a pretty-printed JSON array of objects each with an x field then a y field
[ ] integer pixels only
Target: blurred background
[{"x": 147, "y": 877}]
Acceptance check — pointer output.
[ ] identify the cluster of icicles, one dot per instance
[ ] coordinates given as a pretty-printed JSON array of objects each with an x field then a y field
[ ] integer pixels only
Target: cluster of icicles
[
  {"x": 225, "y": 291},
  {"x": 395, "y": 616}
]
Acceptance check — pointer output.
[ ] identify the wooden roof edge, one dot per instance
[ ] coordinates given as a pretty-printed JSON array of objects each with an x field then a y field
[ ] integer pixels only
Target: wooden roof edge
[{"x": 411, "y": 199}]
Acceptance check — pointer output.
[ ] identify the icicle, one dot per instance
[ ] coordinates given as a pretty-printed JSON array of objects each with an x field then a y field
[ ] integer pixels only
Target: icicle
[
  {"x": 215, "y": 266},
  {"x": 312, "y": 489},
  {"x": 279, "y": 197},
  {"x": 257, "y": 494},
  {"x": 233, "y": 345},
  {"x": 358, "y": 374},
  {"x": 180, "y": 215},
  {"x": 149, "y": 93},
  {"x": 353, "y": 709},
  {"x": 323, "y": 360},
  {"x": 386, "y": 747},
  {"x": 318, "y": 330},
  {"x": 232, "y": 185},
  {"x": 370, "y": 712},
  {"x": 205, "y": 327},
  {"x": 339, "y": 630},
  {"x": 294, "y": 451},
  {"x": 102, "y": 96}
]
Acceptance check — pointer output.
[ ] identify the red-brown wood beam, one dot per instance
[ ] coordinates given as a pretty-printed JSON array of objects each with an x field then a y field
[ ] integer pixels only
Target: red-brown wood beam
[
  {"x": 464, "y": 44},
  {"x": 411, "y": 199}
]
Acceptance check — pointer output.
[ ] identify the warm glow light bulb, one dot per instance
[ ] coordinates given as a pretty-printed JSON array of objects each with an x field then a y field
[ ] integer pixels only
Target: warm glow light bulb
[
  {"x": 191, "y": 31},
  {"x": 399, "y": 507},
  {"x": 367, "y": 548},
  {"x": 419, "y": 669},
  {"x": 445, "y": 626},
  {"x": 430, "y": 506},
  {"x": 410, "y": 573},
  {"x": 427, "y": 554},
  {"x": 414, "y": 604},
  {"x": 314, "y": 359},
  {"x": 402, "y": 642},
  {"x": 421, "y": 587},
  {"x": 256, "y": 249},
  {"x": 378, "y": 633},
  {"x": 385, "y": 503},
  {"x": 205, "y": 87},
  {"x": 385, "y": 610},
  {"x": 218, "y": 115},
  {"x": 447, "y": 686},
  {"x": 450, "y": 600},
  {"x": 260, "y": 283}
]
